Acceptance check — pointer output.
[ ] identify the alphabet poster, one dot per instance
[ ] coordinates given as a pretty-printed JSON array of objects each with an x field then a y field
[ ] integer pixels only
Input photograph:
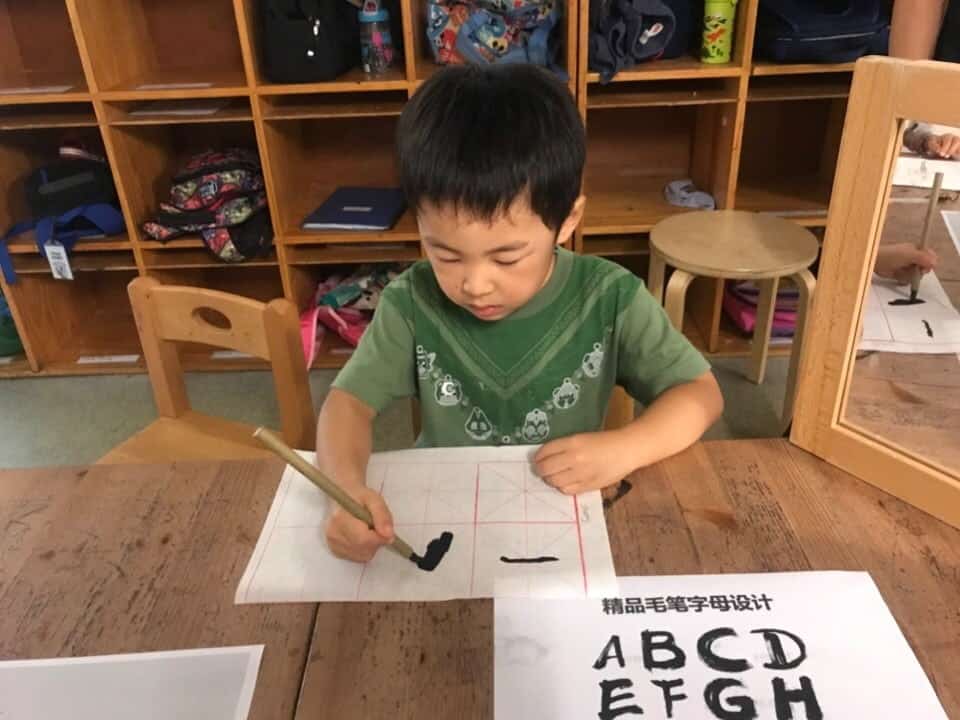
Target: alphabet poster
[
  {"x": 513, "y": 535},
  {"x": 892, "y": 323},
  {"x": 778, "y": 646}
]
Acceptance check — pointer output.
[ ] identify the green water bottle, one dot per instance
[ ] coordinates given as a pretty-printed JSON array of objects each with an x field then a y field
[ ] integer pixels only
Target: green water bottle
[{"x": 718, "y": 24}]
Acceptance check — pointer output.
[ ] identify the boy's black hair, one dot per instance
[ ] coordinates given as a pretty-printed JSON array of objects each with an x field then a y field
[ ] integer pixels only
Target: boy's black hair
[{"x": 479, "y": 137}]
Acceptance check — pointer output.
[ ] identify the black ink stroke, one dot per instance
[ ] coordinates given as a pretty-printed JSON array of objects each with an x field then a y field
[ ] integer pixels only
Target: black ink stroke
[
  {"x": 435, "y": 552},
  {"x": 541, "y": 559},
  {"x": 623, "y": 488},
  {"x": 906, "y": 301},
  {"x": 929, "y": 329}
]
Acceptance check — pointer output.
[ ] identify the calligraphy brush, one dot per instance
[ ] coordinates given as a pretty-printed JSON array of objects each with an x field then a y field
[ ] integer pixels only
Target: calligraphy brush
[
  {"x": 925, "y": 233},
  {"x": 436, "y": 549}
]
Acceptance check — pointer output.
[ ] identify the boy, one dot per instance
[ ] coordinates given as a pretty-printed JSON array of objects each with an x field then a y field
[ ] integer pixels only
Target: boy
[{"x": 505, "y": 337}]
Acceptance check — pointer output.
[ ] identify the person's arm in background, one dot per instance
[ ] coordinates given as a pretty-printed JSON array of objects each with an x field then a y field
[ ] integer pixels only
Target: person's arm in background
[{"x": 915, "y": 27}]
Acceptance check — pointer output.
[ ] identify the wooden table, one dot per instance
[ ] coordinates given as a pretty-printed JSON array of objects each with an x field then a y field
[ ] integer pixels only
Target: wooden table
[
  {"x": 134, "y": 558},
  {"x": 131, "y": 558},
  {"x": 733, "y": 506}
]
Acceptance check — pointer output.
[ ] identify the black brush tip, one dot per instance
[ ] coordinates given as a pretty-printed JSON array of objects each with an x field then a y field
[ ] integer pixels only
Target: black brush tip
[{"x": 435, "y": 552}]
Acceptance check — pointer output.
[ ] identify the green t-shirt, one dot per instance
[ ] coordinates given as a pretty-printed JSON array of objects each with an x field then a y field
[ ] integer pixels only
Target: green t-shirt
[{"x": 544, "y": 372}]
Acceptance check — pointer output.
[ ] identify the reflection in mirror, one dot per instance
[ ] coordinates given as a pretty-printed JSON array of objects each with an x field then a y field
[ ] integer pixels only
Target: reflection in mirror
[{"x": 905, "y": 382}]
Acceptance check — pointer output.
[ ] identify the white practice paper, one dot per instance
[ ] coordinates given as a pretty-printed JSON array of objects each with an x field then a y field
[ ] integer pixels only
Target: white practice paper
[
  {"x": 207, "y": 684},
  {"x": 802, "y": 646},
  {"x": 931, "y": 327},
  {"x": 488, "y": 497},
  {"x": 951, "y": 219}
]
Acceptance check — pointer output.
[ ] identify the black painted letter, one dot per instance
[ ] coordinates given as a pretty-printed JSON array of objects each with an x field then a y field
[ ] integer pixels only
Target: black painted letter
[
  {"x": 714, "y": 661},
  {"x": 778, "y": 658},
  {"x": 784, "y": 699},
  {"x": 612, "y": 648},
  {"x": 607, "y": 699},
  {"x": 742, "y": 706},
  {"x": 668, "y": 696},
  {"x": 654, "y": 640}
]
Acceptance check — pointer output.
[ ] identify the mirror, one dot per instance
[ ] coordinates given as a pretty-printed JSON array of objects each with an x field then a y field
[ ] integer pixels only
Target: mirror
[
  {"x": 889, "y": 414},
  {"x": 904, "y": 386}
]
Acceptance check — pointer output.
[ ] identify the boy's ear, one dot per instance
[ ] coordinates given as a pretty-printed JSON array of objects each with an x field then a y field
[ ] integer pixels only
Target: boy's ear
[{"x": 573, "y": 219}]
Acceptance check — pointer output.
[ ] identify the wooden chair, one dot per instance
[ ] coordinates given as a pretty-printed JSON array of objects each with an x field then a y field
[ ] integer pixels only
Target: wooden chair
[{"x": 170, "y": 315}]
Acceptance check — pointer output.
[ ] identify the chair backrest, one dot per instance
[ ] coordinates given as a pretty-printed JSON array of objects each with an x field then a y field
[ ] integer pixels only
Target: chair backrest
[{"x": 168, "y": 315}]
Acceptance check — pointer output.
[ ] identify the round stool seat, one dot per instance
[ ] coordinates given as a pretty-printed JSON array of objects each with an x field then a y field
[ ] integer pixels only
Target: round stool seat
[{"x": 734, "y": 244}]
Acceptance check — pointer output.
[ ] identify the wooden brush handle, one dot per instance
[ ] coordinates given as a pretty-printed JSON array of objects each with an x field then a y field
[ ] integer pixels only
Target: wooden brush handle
[
  {"x": 927, "y": 225},
  {"x": 337, "y": 493}
]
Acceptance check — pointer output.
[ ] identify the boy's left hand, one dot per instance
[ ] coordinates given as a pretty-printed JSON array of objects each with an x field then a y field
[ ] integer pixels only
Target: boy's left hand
[{"x": 579, "y": 463}]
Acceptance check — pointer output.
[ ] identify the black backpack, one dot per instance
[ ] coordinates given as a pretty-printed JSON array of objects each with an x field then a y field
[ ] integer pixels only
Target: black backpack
[
  {"x": 821, "y": 31},
  {"x": 308, "y": 40}
]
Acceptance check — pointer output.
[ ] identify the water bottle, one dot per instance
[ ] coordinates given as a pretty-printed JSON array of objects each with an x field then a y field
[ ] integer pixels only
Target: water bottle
[
  {"x": 376, "y": 45},
  {"x": 718, "y": 24}
]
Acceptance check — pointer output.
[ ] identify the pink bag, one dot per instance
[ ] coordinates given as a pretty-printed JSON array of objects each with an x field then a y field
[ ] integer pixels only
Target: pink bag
[{"x": 740, "y": 305}]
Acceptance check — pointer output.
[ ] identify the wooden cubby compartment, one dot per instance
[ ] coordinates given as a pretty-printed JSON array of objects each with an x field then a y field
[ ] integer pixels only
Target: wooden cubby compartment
[
  {"x": 22, "y": 150},
  {"x": 757, "y": 135},
  {"x": 332, "y": 351},
  {"x": 173, "y": 47},
  {"x": 38, "y": 53},
  {"x": 353, "y": 80},
  {"x": 422, "y": 64},
  {"x": 309, "y": 159},
  {"x": 633, "y": 152},
  {"x": 79, "y": 326},
  {"x": 147, "y": 157},
  {"x": 789, "y": 156}
]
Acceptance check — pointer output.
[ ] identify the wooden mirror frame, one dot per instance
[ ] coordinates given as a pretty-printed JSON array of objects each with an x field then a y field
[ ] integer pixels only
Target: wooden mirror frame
[{"x": 885, "y": 93}]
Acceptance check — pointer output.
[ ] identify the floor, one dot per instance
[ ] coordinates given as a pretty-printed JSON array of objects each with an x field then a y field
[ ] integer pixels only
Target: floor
[{"x": 73, "y": 421}]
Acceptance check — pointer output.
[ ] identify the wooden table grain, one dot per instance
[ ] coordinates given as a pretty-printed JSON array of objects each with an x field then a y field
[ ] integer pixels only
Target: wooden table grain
[
  {"x": 129, "y": 558},
  {"x": 139, "y": 558},
  {"x": 720, "y": 507}
]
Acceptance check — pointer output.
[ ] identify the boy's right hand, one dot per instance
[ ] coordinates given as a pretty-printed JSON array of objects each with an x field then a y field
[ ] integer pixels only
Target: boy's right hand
[{"x": 351, "y": 539}]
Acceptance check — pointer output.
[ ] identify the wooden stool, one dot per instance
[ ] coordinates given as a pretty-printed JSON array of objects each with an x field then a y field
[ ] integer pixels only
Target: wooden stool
[{"x": 737, "y": 245}]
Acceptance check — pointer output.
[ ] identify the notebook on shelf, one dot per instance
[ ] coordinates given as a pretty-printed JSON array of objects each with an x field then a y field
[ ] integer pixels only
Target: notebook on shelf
[{"x": 358, "y": 208}]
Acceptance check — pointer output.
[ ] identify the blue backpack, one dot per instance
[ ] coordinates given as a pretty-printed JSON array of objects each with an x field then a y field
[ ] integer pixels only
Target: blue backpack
[
  {"x": 69, "y": 199},
  {"x": 821, "y": 31}
]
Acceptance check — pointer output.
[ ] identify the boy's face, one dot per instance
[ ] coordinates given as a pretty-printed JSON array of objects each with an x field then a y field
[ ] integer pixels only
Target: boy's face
[{"x": 492, "y": 268}]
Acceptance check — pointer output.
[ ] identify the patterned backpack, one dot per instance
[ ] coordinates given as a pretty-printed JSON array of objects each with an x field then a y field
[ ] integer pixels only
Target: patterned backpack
[
  {"x": 220, "y": 195},
  {"x": 483, "y": 32}
]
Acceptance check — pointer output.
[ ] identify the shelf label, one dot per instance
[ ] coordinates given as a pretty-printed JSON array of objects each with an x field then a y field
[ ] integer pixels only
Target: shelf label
[
  {"x": 106, "y": 359},
  {"x": 230, "y": 355},
  {"x": 59, "y": 262}
]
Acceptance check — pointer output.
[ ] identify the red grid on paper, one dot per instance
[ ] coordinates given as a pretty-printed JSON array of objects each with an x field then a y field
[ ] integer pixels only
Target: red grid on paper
[{"x": 477, "y": 522}]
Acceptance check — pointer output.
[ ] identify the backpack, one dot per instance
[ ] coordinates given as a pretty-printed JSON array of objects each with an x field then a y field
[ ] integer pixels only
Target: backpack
[
  {"x": 305, "y": 41},
  {"x": 821, "y": 31},
  {"x": 486, "y": 32},
  {"x": 69, "y": 199},
  {"x": 220, "y": 195},
  {"x": 625, "y": 32}
]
